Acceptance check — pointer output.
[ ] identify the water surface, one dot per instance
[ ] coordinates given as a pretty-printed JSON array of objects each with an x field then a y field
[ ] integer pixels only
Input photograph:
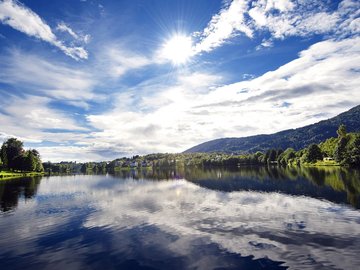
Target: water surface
[{"x": 251, "y": 218}]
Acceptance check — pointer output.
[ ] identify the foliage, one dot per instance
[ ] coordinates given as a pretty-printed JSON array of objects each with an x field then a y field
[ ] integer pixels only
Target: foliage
[
  {"x": 10, "y": 150},
  {"x": 355, "y": 152},
  {"x": 340, "y": 153},
  {"x": 328, "y": 147},
  {"x": 313, "y": 153},
  {"x": 286, "y": 157},
  {"x": 16, "y": 158},
  {"x": 62, "y": 167},
  {"x": 341, "y": 132}
]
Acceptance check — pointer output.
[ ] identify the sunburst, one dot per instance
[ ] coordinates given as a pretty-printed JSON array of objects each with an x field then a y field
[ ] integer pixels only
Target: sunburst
[{"x": 178, "y": 49}]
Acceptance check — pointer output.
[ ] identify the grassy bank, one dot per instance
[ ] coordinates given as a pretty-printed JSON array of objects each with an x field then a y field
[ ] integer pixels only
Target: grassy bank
[
  {"x": 4, "y": 175},
  {"x": 320, "y": 163}
]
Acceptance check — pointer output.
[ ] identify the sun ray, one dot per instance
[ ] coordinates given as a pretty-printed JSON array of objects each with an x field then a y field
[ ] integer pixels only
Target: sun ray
[{"x": 178, "y": 49}]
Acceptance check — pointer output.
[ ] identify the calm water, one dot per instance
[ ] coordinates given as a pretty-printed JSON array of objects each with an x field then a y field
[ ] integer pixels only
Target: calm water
[{"x": 252, "y": 218}]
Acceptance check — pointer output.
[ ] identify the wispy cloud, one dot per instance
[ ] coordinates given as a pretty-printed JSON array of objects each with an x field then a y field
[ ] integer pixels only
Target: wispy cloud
[
  {"x": 23, "y": 19},
  {"x": 32, "y": 74},
  {"x": 29, "y": 118},
  {"x": 279, "y": 19},
  {"x": 224, "y": 25},
  {"x": 117, "y": 61},
  {"x": 62, "y": 27}
]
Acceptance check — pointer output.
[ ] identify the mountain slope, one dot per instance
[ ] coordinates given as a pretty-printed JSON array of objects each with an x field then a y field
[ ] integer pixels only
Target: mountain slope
[{"x": 295, "y": 138}]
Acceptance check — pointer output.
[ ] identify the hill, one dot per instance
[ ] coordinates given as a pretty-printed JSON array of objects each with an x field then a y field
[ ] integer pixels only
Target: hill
[{"x": 295, "y": 138}]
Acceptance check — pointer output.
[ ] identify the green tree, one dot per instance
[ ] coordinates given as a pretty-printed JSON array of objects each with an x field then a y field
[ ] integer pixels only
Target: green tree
[
  {"x": 340, "y": 153},
  {"x": 3, "y": 156},
  {"x": 39, "y": 166},
  {"x": 19, "y": 163},
  {"x": 15, "y": 158},
  {"x": 313, "y": 154},
  {"x": 83, "y": 168},
  {"x": 279, "y": 152},
  {"x": 10, "y": 150},
  {"x": 355, "y": 152},
  {"x": 328, "y": 147},
  {"x": 272, "y": 155},
  {"x": 286, "y": 156},
  {"x": 341, "y": 131},
  {"x": 30, "y": 161}
]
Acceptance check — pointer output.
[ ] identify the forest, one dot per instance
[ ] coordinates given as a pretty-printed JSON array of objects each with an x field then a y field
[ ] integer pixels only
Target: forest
[{"x": 343, "y": 150}]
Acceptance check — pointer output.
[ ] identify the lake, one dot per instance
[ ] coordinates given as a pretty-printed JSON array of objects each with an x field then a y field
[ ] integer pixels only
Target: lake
[{"x": 248, "y": 218}]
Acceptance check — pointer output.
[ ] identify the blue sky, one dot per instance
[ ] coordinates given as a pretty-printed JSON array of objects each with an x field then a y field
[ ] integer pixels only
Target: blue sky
[{"x": 96, "y": 80}]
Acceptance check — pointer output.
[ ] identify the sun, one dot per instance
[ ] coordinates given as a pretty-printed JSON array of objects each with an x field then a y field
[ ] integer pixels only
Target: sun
[{"x": 178, "y": 49}]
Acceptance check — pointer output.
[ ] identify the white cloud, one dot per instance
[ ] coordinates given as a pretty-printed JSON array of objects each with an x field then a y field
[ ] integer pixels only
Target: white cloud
[
  {"x": 281, "y": 5},
  {"x": 71, "y": 153},
  {"x": 87, "y": 38},
  {"x": 47, "y": 78},
  {"x": 223, "y": 26},
  {"x": 171, "y": 114},
  {"x": 119, "y": 61},
  {"x": 193, "y": 109},
  {"x": 266, "y": 43},
  {"x": 116, "y": 60},
  {"x": 280, "y": 19},
  {"x": 23, "y": 19},
  {"x": 33, "y": 112},
  {"x": 156, "y": 122},
  {"x": 32, "y": 106},
  {"x": 28, "y": 118},
  {"x": 64, "y": 28}
]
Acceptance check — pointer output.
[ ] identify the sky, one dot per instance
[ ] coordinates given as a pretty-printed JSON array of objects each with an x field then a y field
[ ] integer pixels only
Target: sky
[{"x": 96, "y": 80}]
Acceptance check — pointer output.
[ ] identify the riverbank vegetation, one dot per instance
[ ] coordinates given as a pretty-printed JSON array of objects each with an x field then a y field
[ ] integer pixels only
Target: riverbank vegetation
[
  {"x": 341, "y": 151},
  {"x": 4, "y": 175},
  {"x": 344, "y": 150},
  {"x": 17, "y": 162}
]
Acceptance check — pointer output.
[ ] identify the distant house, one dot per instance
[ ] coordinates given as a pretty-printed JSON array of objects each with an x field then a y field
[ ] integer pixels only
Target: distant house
[
  {"x": 118, "y": 163},
  {"x": 145, "y": 164},
  {"x": 273, "y": 162},
  {"x": 125, "y": 164},
  {"x": 133, "y": 164},
  {"x": 327, "y": 159}
]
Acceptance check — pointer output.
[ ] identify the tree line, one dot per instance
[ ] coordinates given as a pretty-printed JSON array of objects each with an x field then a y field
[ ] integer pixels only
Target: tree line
[
  {"x": 343, "y": 150},
  {"x": 14, "y": 157}
]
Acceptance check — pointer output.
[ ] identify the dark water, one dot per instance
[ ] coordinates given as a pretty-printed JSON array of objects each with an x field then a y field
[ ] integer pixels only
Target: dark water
[{"x": 252, "y": 218}]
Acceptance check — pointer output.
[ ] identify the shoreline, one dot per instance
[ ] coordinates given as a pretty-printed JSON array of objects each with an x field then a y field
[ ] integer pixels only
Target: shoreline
[{"x": 6, "y": 175}]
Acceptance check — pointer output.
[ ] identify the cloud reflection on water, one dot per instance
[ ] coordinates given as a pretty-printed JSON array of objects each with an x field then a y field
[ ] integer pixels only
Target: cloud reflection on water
[{"x": 169, "y": 220}]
